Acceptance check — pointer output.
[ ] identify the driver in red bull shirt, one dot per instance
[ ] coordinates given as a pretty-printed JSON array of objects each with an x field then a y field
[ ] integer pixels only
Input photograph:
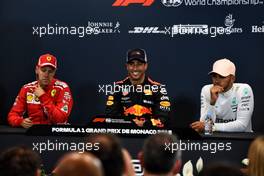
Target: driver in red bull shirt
[
  {"x": 44, "y": 101},
  {"x": 138, "y": 98}
]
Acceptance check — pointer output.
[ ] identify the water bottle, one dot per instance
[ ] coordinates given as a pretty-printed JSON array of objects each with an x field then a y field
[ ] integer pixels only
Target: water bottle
[{"x": 208, "y": 124}]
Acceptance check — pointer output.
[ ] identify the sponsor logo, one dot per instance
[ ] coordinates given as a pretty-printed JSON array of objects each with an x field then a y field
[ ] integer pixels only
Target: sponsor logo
[
  {"x": 137, "y": 110},
  {"x": 125, "y": 92},
  {"x": 163, "y": 91},
  {"x": 234, "y": 102},
  {"x": 65, "y": 108},
  {"x": 36, "y": 99},
  {"x": 165, "y": 103},
  {"x": 164, "y": 98},
  {"x": 257, "y": 29},
  {"x": 165, "y": 108},
  {"x": 128, "y": 2},
  {"x": 190, "y": 29},
  {"x": 217, "y": 120},
  {"x": 245, "y": 98},
  {"x": 32, "y": 98},
  {"x": 245, "y": 91},
  {"x": 53, "y": 92},
  {"x": 177, "y": 3},
  {"x": 156, "y": 122},
  {"x": 148, "y": 92},
  {"x": 125, "y": 98},
  {"x": 245, "y": 101},
  {"x": 67, "y": 96},
  {"x": 148, "y": 102},
  {"x": 109, "y": 103},
  {"x": 172, "y": 3},
  {"x": 244, "y": 104},
  {"x": 243, "y": 109},
  {"x": 62, "y": 84},
  {"x": 48, "y": 58},
  {"x": 150, "y": 30},
  {"x": 204, "y": 29},
  {"x": 99, "y": 120},
  {"x": 109, "y": 120},
  {"x": 111, "y": 98}
]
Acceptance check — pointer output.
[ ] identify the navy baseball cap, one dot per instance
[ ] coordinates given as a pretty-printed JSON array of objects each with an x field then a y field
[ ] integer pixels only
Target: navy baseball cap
[{"x": 136, "y": 54}]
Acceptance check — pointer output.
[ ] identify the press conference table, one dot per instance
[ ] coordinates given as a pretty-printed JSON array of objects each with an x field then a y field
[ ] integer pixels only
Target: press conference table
[{"x": 231, "y": 147}]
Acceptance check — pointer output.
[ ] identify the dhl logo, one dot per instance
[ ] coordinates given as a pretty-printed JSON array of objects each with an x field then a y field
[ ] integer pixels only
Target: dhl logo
[
  {"x": 137, "y": 110},
  {"x": 128, "y": 2}
]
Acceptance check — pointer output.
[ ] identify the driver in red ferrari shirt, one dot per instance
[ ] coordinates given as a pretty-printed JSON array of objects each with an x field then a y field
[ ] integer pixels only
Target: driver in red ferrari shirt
[{"x": 44, "y": 101}]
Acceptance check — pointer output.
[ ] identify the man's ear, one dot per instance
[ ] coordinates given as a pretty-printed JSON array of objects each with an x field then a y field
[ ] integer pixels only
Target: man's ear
[
  {"x": 141, "y": 158},
  {"x": 177, "y": 167},
  {"x": 233, "y": 78},
  {"x": 36, "y": 69},
  {"x": 146, "y": 66},
  {"x": 36, "y": 72}
]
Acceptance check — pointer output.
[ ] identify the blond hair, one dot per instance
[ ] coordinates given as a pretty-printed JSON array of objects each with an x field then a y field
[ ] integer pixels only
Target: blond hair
[{"x": 256, "y": 157}]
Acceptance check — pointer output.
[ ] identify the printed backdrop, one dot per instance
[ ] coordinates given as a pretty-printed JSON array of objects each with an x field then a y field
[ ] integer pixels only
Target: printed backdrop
[{"x": 90, "y": 39}]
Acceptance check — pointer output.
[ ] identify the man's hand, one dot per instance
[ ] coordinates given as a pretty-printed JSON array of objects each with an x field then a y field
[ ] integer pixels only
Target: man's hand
[
  {"x": 38, "y": 91},
  {"x": 139, "y": 123},
  {"x": 198, "y": 126},
  {"x": 215, "y": 90},
  {"x": 27, "y": 123}
]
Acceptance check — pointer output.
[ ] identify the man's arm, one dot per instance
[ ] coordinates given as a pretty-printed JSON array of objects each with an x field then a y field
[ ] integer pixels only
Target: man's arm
[
  {"x": 58, "y": 111},
  {"x": 244, "y": 112},
  {"x": 162, "y": 105},
  {"x": 206, "y": 100},
  {"x": 205, "y": 108},
  {"x": 15, "y": 116},
  {"x": 113, "y": 105}
]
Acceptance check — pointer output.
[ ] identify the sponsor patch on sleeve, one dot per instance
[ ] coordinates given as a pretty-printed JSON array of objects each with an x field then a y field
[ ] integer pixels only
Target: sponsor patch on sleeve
[
  {"x": 109, "y": 103},
  {"x": 110, "y": 98},
  {"x": 65, "y": 108},
  {"x": 165, "y": 103}
]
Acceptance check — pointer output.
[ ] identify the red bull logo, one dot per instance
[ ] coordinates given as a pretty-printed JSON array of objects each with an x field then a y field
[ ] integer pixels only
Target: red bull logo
[{"x": 137, "y": 110}]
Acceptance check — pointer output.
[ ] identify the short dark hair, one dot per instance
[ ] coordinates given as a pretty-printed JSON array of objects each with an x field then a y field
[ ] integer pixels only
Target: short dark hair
[
  {"x": 20, "y": 161},
  {"x": 158, "y": 159},
  {"x": 109, "y": 152}
]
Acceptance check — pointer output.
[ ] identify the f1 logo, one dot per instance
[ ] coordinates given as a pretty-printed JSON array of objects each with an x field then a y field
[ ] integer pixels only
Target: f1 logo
[{"x": 127, "y": 2}]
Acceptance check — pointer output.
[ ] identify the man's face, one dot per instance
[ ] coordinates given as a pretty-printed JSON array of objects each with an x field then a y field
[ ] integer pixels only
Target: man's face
[
  {"x": 45, "y": 75},
  {"x": 136, "y": 69},
  {"x": 224, "y": 82}
]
